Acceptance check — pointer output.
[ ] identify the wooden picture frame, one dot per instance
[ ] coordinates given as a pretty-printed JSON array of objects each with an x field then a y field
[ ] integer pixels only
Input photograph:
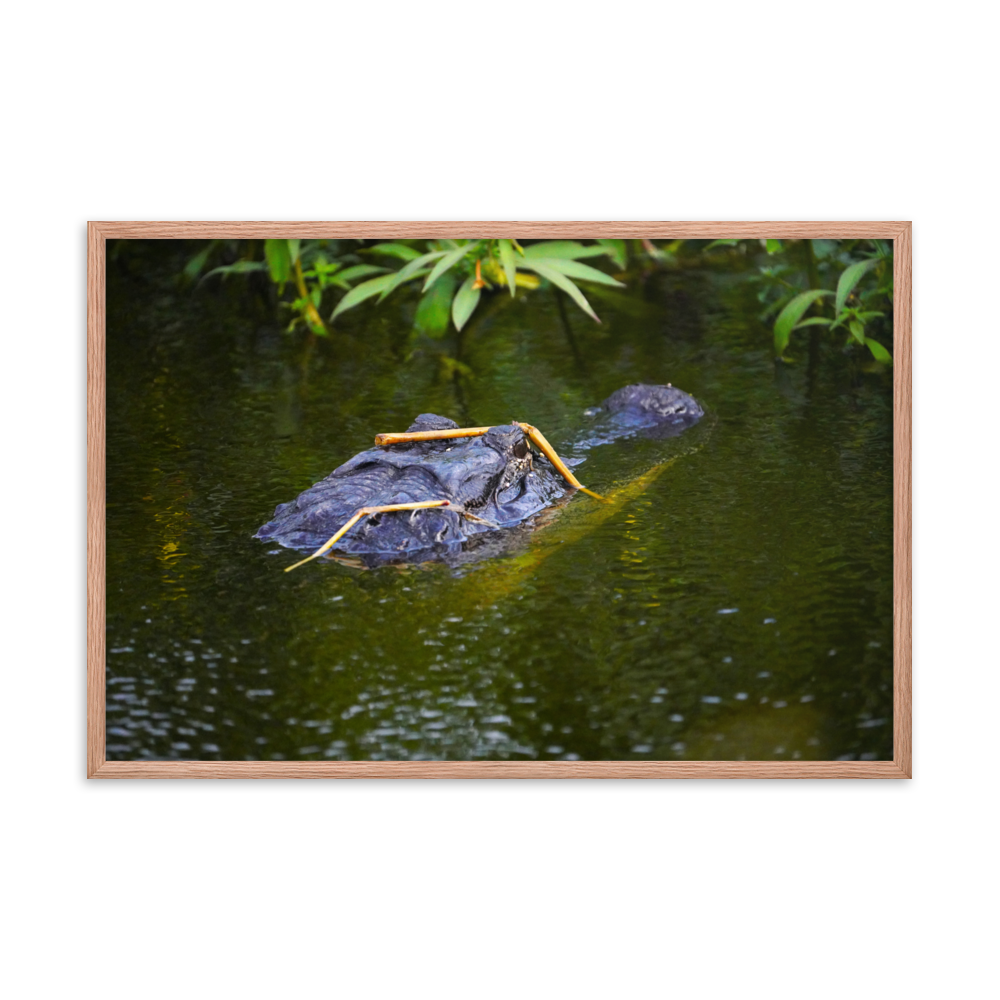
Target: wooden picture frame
[{"x": 899, "y": 767}]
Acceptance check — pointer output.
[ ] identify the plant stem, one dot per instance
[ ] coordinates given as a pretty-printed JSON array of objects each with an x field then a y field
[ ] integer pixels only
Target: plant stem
[{"x": 313, "y": 318}]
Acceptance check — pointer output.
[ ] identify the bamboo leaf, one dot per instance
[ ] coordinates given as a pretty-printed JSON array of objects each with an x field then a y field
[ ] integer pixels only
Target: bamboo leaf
[
  {"x": 466, "y": 300},
  {"x": 812, "y": 321},
  {"x": 791, "y": 314},
  {"x": 193, "y": 267},
  {"x": 773, "y": 246},
  {"x": 878, "y": 351},
  {"x": 857, "y": 331},
  {"x": 408, "y": 270},
  {"x": 561, "y": 281},
  {"x": 851, "y": 276},
  {"x": 434, "y": 309},
  {"x": 720, "y": 243},
  {"x": 582, "y": 272},
  {"x": 358, "y": 294},
  {"x": 448, "y": 261},
  {"x": 616, "y": 250},
  {"x": 279, "y": 260},
  {"x": 240, "y": 267},
  {"x": 357, "y": 271},
  {"x": 566, "y": 249},
  {"x": 400, "y": 250},
  {"x": 508, "y": 262}
]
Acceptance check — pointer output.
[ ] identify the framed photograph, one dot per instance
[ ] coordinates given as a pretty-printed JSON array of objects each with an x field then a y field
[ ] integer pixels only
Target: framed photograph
[{"x": 499, "y": 499}]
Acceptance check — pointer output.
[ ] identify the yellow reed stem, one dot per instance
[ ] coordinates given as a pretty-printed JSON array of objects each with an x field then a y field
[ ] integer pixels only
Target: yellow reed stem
[
  {"x": 549, "y": 452},
  {"x": 364, "y": 512},
  {"x": 405, "y": 437}
]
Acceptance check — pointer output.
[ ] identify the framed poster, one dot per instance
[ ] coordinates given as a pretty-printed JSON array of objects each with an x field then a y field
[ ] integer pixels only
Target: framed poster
[{"x": 622, "y": 641}]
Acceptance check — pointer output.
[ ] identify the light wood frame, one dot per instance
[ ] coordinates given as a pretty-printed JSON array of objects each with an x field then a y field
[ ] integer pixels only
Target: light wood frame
[{"x": 899, "y": 767}]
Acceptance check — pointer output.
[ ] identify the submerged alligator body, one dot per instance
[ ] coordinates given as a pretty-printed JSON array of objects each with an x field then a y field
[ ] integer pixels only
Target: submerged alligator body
[{"x": 491, "y": 483}]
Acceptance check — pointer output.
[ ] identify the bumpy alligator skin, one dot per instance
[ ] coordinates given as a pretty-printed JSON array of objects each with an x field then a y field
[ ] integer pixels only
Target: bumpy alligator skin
[{"x": 495, "y": 478}]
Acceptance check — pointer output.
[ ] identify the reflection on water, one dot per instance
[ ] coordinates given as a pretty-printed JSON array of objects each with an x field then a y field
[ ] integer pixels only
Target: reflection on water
[{"x": 733, "y": 602}]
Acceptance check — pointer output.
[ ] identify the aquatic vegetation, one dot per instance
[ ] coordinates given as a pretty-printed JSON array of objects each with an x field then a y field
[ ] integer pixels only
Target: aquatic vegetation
[
  {"x": 455, "y": 273},
  {"x": 863, "y": 293},
  {"x": 477, "y": 265},
  {"x": 838, "y": 287}
]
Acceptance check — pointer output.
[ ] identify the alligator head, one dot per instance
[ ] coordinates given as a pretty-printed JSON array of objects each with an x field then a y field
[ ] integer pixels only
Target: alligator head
[{"x": 490, "y": 482}]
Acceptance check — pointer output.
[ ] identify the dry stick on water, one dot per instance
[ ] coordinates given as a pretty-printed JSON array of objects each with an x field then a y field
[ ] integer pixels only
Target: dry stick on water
[
  {"x": 364, "y": 512},
  {"x": 537, "y": 437}
]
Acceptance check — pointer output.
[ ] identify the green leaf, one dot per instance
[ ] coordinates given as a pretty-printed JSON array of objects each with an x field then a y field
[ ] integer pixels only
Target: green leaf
[
  {"x": 566, "y": 249},
  {"x": 509, "y": 263},
  {"x": 878, "y": 351},
  {"x": 279, "y": 260},
  {"x": 448, "y": 261},
  {"x": 851, "y": 276},
  {"x": 560, "y": 281},
  {"x": 293, "y": 249},
  {"x": 357, "y": 271},
  {"x": 193, "y": 267},
  {"x": 791, "y": 314},
  {"x": 358, "y": 294},
  {"x": 857, "y": 330},
  {"x": 582, "y": 272},
  {"x": 720, "y": 243},
  {"x": 406, "y": 272},
  {"x": 465, "y": 302},
  {"x": 240, "y": 267},
  {"x": 617, "y": 251},
  {"x": 774, "y": 246},
  {"x": 812, "y": 321},
  {"x": 434, "y": 308},
  {"x": 400, "y": 250}
]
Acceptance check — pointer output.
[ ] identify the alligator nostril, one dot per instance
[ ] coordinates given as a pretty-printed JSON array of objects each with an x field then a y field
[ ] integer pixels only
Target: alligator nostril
[{"x": 521, "y": 448}]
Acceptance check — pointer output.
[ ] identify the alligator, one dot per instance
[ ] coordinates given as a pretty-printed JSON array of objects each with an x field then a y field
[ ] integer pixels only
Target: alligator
[{"x": 438, "y": 492}]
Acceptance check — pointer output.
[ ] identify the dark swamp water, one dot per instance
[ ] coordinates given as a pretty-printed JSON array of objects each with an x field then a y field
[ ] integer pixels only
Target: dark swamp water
[{"x": 735, "y": 602}]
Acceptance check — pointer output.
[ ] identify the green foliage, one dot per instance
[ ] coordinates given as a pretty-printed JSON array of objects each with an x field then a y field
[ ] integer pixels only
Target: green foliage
[
  {"x": 788, "y": 318},
  {"x": 465, "y": 302},
  {"x": 833, "y": 287},
  {"x": 720, "y": 243},
  {"x": 448, "y": 261},
  {"x": 860, "y": 284},
  {"x": 434, "y": 310},
  {"x": 617, "y": 251},
  {"x": 475, "y": 266},
  {"x": 240, "y": 267},
  {"x": 312, "y": 267}
]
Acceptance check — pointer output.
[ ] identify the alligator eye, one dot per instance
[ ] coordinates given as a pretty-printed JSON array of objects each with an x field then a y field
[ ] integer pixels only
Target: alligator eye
[{"x": 521, "y": 448}]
